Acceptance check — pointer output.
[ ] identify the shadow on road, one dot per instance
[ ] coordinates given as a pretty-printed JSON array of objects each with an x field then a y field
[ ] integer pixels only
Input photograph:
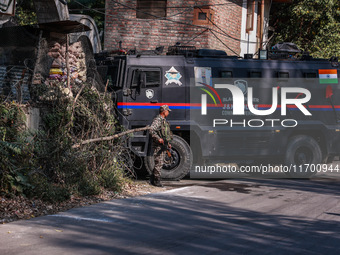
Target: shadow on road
[
  {"x": 171, "y": 224},
  {"x": 318, "y": 186}
]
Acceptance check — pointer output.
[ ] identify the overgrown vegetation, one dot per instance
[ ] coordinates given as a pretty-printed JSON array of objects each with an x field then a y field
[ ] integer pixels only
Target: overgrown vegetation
[
  {"x": 93, "y": 8},
  {"x": 25, "y": 13},
  {"x": 313, "y": 25},
  {"x": 43, "y": 164}
]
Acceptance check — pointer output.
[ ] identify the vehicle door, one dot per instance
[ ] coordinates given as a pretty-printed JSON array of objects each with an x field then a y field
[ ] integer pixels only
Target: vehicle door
[{"x": 143, "y": 95}]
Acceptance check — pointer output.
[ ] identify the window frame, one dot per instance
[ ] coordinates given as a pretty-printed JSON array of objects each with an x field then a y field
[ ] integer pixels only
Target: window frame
[
  {"x": 209, "y": 16},
  {"x": 147, "y": 85}
]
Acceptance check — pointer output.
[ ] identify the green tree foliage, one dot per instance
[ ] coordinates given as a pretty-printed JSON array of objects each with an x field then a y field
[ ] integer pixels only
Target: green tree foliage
[
  {"x": 313, "y": 25},
  {"x": 14, "y": 154},
  {"x": 25, "y": 13},
  {"x": 93, "y": 8}
]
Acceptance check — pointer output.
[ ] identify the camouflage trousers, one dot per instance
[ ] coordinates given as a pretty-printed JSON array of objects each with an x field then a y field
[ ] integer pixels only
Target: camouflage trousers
[{"x": 158, "y": 154}]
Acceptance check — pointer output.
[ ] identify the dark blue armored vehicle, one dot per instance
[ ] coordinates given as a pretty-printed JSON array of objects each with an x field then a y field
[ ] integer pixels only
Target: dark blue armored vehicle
[{"x": 224, "y": 108}]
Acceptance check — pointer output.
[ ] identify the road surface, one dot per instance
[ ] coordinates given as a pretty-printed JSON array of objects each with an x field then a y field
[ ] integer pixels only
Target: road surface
[{"x": 247, "y": 216}]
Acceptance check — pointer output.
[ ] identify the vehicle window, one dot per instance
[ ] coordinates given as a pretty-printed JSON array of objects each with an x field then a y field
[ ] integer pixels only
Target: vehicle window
[
  {"x": 113, "y": 76},
  {"x": 310, "y": 75},
  {"x": 283, "y": 75},
  {"x": 226, "y": 74},
  {"x": 135, "y": 78},
  {"x": 152, "y": 77},
  {"x": 255, "y": 74}
]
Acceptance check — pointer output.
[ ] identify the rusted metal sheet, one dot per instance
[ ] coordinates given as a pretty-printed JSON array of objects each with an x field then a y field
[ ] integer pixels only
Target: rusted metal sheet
[
  {"x": 14, "y": 83},
  {"x": 2, "y": 78}
]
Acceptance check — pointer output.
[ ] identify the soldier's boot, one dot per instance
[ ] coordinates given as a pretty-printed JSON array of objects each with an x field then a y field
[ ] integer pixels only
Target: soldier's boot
[
  {"x": 157, "y": 182},
  {"x": 152, "y": 179}
]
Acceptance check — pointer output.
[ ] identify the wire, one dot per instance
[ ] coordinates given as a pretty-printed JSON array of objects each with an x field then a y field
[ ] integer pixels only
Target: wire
[
  {"x": 196, "y": 36},
  {"x": 219, "y": 27},
  {"x": 184, "y": 23},
  {"x": 224, "y": 44},
  {"x": 91, "y": 9},
  {"x": 167, "y": 19}
]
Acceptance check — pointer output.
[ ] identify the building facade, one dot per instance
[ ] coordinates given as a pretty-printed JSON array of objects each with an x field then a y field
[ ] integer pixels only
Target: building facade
[{"x": 235, "y": 26}]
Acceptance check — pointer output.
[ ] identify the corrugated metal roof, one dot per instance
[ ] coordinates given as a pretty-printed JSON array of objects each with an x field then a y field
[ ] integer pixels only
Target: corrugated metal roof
[{"x": 65, "y": 27}]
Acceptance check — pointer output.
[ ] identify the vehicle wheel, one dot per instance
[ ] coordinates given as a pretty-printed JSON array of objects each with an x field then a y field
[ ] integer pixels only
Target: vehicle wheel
[
  {"x": 302, "y": 150},
  {"x": 179, "y": 165}
]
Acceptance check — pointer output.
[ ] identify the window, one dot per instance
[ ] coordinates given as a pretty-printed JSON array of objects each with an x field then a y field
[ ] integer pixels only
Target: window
[
  {"x": 112, "y": 71},
  {"x": 152, "y": 77},
  {"x": 283, "y": 75},
  {"x": 151, "y": 9},
  {"x": 250, "y": 15},
  {"x": 310, "y": 75},
  {"x": 226, "y": 74},
  {"x": 255, "y": 74},
  {"x": 203, "y": 16},
  {"x": 113, "y": 76}
]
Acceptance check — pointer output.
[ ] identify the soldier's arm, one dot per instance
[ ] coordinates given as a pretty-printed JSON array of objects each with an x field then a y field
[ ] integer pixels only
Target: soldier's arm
[
  {"x": 155, "y": 127},
  {"x": 171, "y": 134}
]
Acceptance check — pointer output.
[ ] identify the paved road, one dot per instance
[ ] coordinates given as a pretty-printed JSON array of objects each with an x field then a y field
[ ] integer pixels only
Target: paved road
[{"x": 248, "y": 216}]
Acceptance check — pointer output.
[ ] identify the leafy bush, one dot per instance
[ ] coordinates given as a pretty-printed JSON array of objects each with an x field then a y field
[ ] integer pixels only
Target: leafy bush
[
  {"x": 112, "y": 178},
  {"x": 313, "y": 26},
  {"x": 43, "y": 163},
  {"x": 14, "y": 152}
]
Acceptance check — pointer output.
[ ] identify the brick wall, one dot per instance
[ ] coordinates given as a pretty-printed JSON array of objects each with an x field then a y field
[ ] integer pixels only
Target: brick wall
[{"x": 145, "y": 34}]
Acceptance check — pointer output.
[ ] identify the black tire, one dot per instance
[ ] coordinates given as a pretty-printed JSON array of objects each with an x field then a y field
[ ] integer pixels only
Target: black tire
[
  {"x": 179, "y": 166},
  {"x": 302, "y": 150}
]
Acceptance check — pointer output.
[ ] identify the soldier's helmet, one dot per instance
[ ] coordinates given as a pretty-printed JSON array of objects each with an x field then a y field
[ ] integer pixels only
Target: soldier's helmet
[{"x": 164, "y": 108}]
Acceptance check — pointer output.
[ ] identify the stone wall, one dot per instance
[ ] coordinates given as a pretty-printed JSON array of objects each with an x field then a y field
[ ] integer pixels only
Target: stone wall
[{"x": 77, "y": 63}]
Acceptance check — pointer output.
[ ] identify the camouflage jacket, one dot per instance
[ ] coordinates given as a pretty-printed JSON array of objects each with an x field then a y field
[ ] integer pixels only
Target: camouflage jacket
[{"x": 160, "y": 128}]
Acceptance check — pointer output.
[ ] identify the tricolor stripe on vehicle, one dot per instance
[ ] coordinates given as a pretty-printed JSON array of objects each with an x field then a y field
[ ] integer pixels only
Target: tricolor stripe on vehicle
[
  {"x": 328, "y": 76},
  {"x": 181, "y": 106}
]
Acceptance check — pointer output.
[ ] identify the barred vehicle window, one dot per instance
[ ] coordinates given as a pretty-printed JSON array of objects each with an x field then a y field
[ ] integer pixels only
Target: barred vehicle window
[{"x": 152, "y": 78}]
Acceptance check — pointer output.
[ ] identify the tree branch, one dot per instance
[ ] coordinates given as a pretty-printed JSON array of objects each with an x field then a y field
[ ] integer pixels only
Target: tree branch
[{"x": 108, "y": 138}]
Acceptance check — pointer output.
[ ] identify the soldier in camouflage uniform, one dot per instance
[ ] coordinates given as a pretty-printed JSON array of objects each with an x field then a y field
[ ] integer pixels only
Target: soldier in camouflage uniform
[{"x": 161, "y": 136}]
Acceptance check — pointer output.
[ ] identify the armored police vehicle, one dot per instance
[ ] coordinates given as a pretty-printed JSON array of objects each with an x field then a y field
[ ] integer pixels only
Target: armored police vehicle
[{"x": 244, "y": 110}]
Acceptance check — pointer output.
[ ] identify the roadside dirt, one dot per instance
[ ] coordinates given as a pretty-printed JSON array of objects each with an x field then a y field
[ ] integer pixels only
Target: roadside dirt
[{"x": 19, "y": 208}]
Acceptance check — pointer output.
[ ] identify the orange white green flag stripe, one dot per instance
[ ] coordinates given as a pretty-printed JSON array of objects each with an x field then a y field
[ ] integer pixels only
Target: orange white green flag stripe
[{"x": 328, "y": 76}]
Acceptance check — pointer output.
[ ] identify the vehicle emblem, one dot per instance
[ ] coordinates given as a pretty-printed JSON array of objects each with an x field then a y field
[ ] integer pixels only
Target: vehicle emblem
[
  {"x": 173, "y": 76},
  {"x": 242, "y": 85},
  {"x": 149, "y": 93}
]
